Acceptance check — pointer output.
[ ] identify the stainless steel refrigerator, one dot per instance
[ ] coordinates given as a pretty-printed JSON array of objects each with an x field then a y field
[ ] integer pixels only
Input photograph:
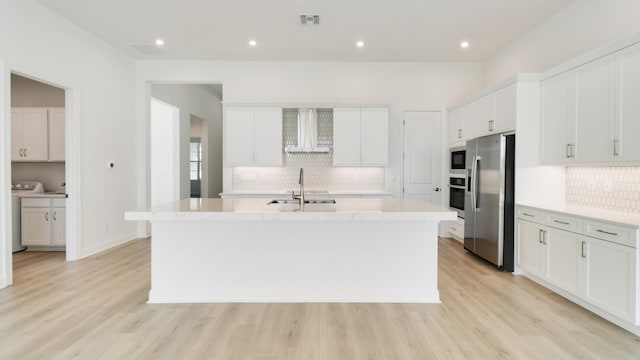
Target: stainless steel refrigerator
[{"x": 489, "y": 199}]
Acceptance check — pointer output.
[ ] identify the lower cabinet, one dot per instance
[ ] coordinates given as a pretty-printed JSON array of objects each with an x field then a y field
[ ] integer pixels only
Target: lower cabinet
[
  {"x": 43, "y": 222},
  {"x": 601, "y": 271},
  {"x": 610, "y": 277}
]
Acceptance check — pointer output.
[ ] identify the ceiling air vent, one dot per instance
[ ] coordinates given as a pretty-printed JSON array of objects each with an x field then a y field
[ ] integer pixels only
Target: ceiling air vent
[{"x": 310, "y": 19}]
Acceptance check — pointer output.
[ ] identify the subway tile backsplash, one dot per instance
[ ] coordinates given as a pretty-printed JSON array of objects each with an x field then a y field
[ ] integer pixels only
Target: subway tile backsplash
[
  {"x": 614, "y": 188},
  {"x": 320, "y": 174}
]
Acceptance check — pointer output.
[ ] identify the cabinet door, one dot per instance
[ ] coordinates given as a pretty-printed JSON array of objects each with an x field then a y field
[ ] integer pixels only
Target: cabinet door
[
  {"x": 628, "y": 114},
  {"x": 469, "y": 130},
  {"x": 455, "y": 125},
  {"x": 36, "y": 228},
  {"x": 346, "y": 136},
  {"x": 238, "y": 136},
  {"x": 611, "y": 277},
  {"x": 59, "y": 227},
  {"x": 558, "y": 119},
  {"x": 35, "y": 134},
  {"x": 505, "y": 109},
  {"x": 531, "y": 257},
  {"x": 563, "y": 259},
  {"x": 268, "y": 136},
  {"x": 374, "y": 136},
  {"x": 17, "y": 135},
  {"x": 485, "y": 115},
  {"x": 56, "y": 134},
  {"x": 594, "y": 110}
]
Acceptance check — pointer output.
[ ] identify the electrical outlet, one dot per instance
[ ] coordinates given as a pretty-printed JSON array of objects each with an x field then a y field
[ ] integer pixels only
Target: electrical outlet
[{"x": 608, "y": 185}]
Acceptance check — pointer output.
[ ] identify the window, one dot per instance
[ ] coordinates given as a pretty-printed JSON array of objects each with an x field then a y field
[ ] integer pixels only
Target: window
[{"x": 195, "y": 159}]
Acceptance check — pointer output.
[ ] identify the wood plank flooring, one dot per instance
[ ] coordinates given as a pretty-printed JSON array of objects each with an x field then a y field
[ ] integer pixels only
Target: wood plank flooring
[{"x": 96, "y": 308}]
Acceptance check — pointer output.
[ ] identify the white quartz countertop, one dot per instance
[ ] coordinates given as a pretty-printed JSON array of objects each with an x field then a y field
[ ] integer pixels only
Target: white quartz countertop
[
  {"x": 308, "y": 193},
  {"x": 29, "y": 194},
  {"x": 257, "y": 209},
  {"x": 610, "y": 216}
]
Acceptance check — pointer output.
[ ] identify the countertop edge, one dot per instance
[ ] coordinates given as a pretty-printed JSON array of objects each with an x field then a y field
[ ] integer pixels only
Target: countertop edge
[{"x": 592, "y": 214}]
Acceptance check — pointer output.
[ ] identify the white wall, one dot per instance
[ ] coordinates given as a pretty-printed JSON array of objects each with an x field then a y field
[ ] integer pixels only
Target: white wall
[
  {"x": 101, "y": 119},
  {"x": 165, "y": 156},
  {"x": 29, "y": 93},
  {"x": 198, "y": 100},
  {"x": 429, "y": 86},
  {"x": 581, "y": 26}
]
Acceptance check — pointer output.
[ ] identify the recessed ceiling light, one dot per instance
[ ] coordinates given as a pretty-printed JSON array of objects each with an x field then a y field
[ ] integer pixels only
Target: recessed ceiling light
[
  {"x": 360, "y": 44},
  {"x": 252, "y": 43},
  {"x": 159, "y": 42},
  {"x": 464, "y": 44}
]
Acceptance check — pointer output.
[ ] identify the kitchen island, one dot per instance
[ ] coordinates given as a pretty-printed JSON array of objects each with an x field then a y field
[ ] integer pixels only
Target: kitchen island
[{"x": 245, "y": 250}]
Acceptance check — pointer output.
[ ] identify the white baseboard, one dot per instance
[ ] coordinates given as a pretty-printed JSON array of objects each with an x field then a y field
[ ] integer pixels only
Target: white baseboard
[{"x": 108, "y": 244}]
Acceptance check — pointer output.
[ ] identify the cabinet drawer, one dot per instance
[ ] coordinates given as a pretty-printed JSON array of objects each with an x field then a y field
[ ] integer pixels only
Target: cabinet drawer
[
  {"x": 456, "y": 228},
  {"x": 565, "y": 222},
  {"x": 59, "y": 203},
  {"x": 531, "y": 215},
  {"x": 616, "y": 234},
  {"x": 27, "y": 202}
]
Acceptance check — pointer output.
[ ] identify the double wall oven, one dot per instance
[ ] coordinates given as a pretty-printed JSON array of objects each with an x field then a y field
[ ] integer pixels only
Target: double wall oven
[{"x": 457, "y": 180}]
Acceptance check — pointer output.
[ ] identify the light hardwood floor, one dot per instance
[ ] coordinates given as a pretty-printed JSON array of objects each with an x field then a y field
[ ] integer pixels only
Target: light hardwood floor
[{"x": 96, "y": 309}]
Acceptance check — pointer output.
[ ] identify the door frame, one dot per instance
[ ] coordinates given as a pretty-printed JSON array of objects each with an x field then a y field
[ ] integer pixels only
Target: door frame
[
  {"x": 444, "y": 145},
  {"x": 73, "y": 159}
]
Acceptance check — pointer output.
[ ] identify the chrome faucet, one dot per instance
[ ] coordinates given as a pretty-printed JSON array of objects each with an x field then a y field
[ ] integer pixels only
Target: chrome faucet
[{"x": 301, "y": 182}]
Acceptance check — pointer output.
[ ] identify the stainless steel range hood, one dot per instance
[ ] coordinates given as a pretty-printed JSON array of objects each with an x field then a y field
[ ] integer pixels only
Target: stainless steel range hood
[{"x": 307, "y": 133}]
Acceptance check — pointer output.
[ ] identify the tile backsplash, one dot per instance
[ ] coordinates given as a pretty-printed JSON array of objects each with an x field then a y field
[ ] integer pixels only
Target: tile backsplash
[
  {"x": 319, "y": 173},
  {"x": 613, "y": 188}
]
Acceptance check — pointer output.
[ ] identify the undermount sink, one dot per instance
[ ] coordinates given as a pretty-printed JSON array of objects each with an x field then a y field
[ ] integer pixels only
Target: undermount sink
[{"x": 293, "y": 201}]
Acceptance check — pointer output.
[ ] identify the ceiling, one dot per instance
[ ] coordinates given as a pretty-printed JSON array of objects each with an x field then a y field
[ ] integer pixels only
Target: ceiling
[{"x": 393, "y": 30}]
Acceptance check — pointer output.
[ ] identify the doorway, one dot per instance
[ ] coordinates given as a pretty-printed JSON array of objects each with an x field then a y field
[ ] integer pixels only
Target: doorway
[
  {"x": 422, "y": 156},
  {"x": 47, "y": 160}
]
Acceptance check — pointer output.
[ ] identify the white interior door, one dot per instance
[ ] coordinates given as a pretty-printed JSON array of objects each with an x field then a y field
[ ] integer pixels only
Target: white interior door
[{"x": 422, "y": 156}]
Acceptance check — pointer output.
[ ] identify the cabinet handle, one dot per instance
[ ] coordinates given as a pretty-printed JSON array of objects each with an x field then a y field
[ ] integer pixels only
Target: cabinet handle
[
  {"x": 490, "y": 125},
  {"x": 607, "y": 232},
  {"x": 54, "y": 216},
  {"x": 22, "y": 152},
  {"x": 459, "y": 133},
  {"x": 540, "y": 236},
  {"x": 544, "y": 237},
  {"x": 529, "y": 215},
  {"x": 46, "y": 216},
  {"x": 568, "y": 150},
  {"x": 616, "y": 146},
  {"x": 454, "y": 229},
  {"x": 584, "y": 255},
  {"x": 561, "y": 222},
  {"x": 25, "y": 152}
]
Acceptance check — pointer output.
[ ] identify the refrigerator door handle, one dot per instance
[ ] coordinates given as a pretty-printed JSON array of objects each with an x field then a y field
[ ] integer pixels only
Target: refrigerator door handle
[{"x": 474, "y": 179}]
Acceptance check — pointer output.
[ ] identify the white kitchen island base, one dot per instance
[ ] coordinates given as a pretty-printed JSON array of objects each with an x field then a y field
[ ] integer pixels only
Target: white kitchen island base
[{"x": 326, "y": 255}]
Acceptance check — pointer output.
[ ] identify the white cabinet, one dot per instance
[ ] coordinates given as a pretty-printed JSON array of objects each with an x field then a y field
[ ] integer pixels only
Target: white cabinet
[
  {"x": 558, "y": 119},
  {"x": 590, "y": 113},
  {"x": 456, "y": 228},
  {"x": 496, "y": 113},
  {"x": 29, "y": 134},
  {"x": 37, "y": 134},
  {"x": 253, "y": 136},
  {"x": 360, "y": 136},
  {"x": 628, "y": 107},
  {"x": 595, "y": 111},
  {"x": 594, "y": 261},
  {"x": 56, "y": 134},
  {"x": 43, "y": 222},
  {"x": 462, "y": 123},
  {"x": 531, "y": 251}
]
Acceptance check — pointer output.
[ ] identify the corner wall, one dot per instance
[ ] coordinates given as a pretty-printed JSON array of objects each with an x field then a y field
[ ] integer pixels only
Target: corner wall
[{"x": 37, "y": 42}]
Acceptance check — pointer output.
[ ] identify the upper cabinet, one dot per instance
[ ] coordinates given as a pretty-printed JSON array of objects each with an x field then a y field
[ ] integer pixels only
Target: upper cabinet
[
  {"x": 253, "y": 136},
  {"x": 590, "y": 113},
  {"x": 496, "y": 112},
  {"x": 462, "y": 123},
  {"x": 360, "y": 136},
  {"x": 37, "y": 134}
]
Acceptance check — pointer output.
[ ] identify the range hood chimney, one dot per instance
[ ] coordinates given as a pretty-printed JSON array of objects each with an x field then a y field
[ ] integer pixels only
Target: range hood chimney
[{"x": 307, "y": 133}]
